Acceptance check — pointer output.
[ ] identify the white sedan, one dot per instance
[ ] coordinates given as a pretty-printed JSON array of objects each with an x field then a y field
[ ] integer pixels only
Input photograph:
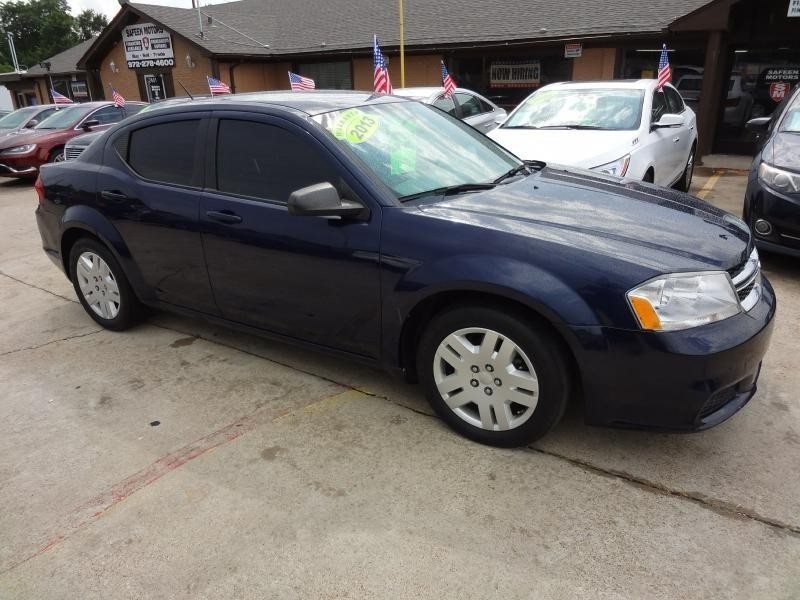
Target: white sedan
[
  {"x": 469, "y": 106},
  {"x": 629, "y": 129}
]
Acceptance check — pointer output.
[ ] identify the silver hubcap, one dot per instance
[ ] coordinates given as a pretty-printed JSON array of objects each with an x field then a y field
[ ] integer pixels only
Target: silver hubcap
[
  {"x": 486, "y": 379},
  {"x": 59, "y": 157},
  {"x": 98, "y": 285}
]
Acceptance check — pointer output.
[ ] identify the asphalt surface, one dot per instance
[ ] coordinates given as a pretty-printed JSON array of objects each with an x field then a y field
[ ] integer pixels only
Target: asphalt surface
[{"x": 181, "y": 460}]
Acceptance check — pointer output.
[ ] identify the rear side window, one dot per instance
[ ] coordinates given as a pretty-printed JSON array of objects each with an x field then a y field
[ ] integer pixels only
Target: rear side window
[
  {"x": 659, "y": 106},
  {"x": 446, "y": 104},
  {"x": 165, "y": 152},
  {"x": 471, "y": 105},
  {"x": 674, "y": 100},
  {"x": 267, "y": 162}
]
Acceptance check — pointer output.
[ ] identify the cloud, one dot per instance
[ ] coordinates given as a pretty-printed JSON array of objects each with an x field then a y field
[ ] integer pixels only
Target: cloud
[{"x": 110, "y": 7}]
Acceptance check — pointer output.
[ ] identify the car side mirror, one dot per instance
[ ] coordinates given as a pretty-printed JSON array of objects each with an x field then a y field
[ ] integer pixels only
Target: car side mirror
[
  {"x": 758, "y": 124},
  {"x": 87, "y": 125},
  {"x": 669, "y": 120},
  {"x": 322, "y": 200},
  {"x": 31, "y": 124}
]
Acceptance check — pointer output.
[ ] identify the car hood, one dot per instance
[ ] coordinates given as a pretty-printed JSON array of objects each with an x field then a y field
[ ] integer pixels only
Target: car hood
[
  {"x": 645, "y": 225},
  {"x": 30, "y": 137},
  {"x": 579, "y": 148},
  {"x": 785, "y": 151}
]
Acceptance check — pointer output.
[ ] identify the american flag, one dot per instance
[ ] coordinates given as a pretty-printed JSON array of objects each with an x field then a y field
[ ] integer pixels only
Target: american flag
[
  {"x": 664, "y": 72},
  {"x": 59, "y": 98},
  {"x": 382, "y": 83},
  {"x": 448, "y": 82},
  {"x": 300, "y": 83},
  {"x": 119, "y": 100},
  {"x": 216, "y": 86}
]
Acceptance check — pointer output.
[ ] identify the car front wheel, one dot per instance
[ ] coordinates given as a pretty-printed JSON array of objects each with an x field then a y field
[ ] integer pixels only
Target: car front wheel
[
  {"x": 101, "y": 285},
  {"x": 492, "y": 375},
  {"x": 685, "y": 182}
]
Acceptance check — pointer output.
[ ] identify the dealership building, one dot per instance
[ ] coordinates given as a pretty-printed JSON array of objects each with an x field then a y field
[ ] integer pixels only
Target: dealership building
[{"x": 732, "y": 59}]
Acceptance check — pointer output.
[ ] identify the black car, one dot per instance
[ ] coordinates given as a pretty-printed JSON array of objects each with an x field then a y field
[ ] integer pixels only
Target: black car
[
  {"x": 386, "y": 231},
  {"x": 772, "y": 199}
]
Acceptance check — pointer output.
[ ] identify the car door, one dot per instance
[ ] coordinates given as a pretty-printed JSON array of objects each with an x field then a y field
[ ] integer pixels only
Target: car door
[
  {"x": 663, "y": 143},
  {"x": 309, "y": 278},
  {"x": 475, "y": 112},
  {"x": 687, "y": 133},
  {"x": 150, "y": 187}
]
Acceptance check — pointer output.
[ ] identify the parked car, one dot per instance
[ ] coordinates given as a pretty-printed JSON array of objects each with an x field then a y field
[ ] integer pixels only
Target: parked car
[
  {"x": 738, "y": 102},
  {"x": 24, "y": 119},
  {"x": 74, "y": 147},
  {"x": 772, "y": 199},
  {"x": 469, "y": 106},
  {"x": 387, "y": 231},
  {"x": 22, "y": 155},
  {"x": 623, "y": 128}
]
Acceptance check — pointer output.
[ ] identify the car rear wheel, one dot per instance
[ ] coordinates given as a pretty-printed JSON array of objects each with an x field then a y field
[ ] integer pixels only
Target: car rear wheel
[
  {"x": 493, "y": 376},
  {"x": 101, "y": 285},
  {"x": 685, "y": 182}
]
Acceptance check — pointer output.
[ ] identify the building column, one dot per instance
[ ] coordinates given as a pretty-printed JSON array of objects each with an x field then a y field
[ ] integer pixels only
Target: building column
[{"x": 714, "y": 75}]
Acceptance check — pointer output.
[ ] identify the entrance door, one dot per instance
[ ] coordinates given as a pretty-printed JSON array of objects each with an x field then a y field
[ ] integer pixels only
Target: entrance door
[{"x": 155, "y": 87}]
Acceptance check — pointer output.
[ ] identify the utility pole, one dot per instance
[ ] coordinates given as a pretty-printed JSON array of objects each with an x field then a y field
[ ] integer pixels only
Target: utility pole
[
  {"x": 12, "y": 48},
  {"x": 402, "y": 49}
]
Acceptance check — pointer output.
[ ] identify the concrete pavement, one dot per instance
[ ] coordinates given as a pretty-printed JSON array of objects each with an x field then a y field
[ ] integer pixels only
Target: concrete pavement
[{"x": 180, "y": 460}]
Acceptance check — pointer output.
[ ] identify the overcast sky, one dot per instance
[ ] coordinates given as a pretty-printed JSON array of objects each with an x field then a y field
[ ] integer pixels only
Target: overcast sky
[{"x": 110, "y": 7}]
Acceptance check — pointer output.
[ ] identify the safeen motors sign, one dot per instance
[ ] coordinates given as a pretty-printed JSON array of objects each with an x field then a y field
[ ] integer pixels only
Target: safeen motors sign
[{"x": 147, "y": 45}]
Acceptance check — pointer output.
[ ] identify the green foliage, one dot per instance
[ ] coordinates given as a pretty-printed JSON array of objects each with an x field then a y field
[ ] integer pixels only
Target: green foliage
[{"x": 43, "y": 28}]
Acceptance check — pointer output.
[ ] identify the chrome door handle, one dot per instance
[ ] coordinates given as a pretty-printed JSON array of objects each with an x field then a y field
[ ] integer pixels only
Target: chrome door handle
[
  {"x": 677, "y": 139},
  {"x": 224, "y": 216}
]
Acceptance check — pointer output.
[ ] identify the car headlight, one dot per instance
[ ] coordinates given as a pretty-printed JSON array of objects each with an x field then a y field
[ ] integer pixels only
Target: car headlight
[
  {"x": 618, "y": 167},
  {"x": 20, "y": 149},
  {"x": 778, "y": 179},
  {"x": 684, "y": 300}
]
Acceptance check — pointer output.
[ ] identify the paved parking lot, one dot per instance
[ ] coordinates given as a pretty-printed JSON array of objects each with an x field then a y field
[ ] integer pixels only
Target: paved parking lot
[{"x": 179, "y": 460}]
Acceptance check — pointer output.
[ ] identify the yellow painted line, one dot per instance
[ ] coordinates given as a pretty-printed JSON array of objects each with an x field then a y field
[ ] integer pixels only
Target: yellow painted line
[
  {"x": 323, "y": 404},
  {"x": 709, "y": 185}
]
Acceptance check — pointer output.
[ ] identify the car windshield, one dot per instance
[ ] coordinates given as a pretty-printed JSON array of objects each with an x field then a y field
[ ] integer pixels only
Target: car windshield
[
  {"x": 18, "y": 117},
  {"x": 414, "y": 148},
  {"x": 62, "y": 118},
  {"x": 575, "y": 108},
  {"x": 791, "y": 122}
]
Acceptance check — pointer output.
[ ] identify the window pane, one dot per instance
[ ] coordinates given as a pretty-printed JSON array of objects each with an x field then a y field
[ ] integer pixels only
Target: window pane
[
  {"x": 264, "y": 161},
  {"x": 674, "y": 100},
  {"x": 470, "y": 106},
  {"x": 328, "y": 75},
  {"x": 659, "y": 106},
  {"x": 165, "y": 152},
  {"x": 446, "y": 104}
]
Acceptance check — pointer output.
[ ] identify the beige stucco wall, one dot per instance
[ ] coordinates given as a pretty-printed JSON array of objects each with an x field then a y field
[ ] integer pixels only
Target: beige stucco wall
[
  {"x": 255, "y": 77},
  {"x": 595, "y": 63},
  {"x": 421, "y": 70}
]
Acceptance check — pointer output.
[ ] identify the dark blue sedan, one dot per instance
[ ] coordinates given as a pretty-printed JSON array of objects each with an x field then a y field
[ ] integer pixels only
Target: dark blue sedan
[{"x": 384, "y": 230}]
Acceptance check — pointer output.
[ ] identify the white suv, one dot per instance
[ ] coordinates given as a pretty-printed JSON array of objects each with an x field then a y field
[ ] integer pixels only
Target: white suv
[{"x": 625, "y": 128}]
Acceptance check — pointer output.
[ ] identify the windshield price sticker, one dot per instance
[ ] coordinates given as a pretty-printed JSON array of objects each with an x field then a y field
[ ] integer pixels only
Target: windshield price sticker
[{"x": 355, "y": 126}]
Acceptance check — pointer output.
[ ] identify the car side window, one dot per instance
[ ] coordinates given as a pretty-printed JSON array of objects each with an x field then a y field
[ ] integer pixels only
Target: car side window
[
  {"x": 267, "y": 162},
  {"x": 44, "y": 114},
  {"x": 165, "y": 152},
  {"x": 106, "y": 115},
  {"x": 674, "y": 100},
  {"x": 660, "y": 106},
  {"x": 446, "y": 104},
  {"x": 470, "y": 105}
]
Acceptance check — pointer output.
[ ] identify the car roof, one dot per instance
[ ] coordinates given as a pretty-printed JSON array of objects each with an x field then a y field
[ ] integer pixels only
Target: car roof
[
  {"x": 425, "y": 91},
  {"x": 623, "y": 84},
  {"x": 311, "y": 103}
]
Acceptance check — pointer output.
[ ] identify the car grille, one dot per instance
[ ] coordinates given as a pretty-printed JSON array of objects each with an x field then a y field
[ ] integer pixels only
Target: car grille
[
  {"x": 747, "y": 281},
  {"x": 72, "y": 152},
  {"x": 717, "y": 401}
]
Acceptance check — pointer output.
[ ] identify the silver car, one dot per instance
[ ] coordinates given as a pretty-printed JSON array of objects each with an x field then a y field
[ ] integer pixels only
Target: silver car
[{"x": 469, "y": 106}]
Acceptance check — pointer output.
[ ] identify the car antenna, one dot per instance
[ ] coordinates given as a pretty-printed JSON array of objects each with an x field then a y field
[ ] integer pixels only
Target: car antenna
[{"x": 185, "y": 90}]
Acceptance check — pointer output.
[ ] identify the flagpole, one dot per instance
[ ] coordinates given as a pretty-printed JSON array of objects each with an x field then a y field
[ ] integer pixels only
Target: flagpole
[{"x": 402, "y": 49}]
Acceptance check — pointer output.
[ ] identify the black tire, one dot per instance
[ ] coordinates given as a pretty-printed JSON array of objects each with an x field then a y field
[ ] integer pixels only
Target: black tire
[
  {"x": 56, "y": 155},
  {"x": 685, "y": 182},
  {"x": 129, "y": 309},
  {"x": 544, "y": 351}
]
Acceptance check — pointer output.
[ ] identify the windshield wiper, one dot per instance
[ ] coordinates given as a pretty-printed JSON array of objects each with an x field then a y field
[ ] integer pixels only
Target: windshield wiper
[
  {"x": 449, "y": 190},
  {"x": 519, "y": 127},
  {"x": 518, "y": 170},
  {"x": 571, "y": 126}
]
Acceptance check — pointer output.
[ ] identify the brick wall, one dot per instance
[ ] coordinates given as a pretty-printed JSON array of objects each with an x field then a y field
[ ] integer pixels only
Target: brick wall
[
  {"x": 256, "y": 77},
  {"x": 421, "y": 70}
]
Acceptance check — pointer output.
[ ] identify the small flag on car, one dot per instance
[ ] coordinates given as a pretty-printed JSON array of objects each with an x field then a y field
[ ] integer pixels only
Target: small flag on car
[
  {"x": 664, "y": 72},
  {"x": 382, "y": 83},
  {"x": 59, "y": 98},
  {"x": 448, "y": 82},
  {"x": 216, "y": 86},
  {"x": 300, "y": 83},
  {"x": 119, "y": 100}
]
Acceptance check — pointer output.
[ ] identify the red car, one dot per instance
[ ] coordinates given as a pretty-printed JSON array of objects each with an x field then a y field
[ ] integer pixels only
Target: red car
[{"x": 22, "y": 154}]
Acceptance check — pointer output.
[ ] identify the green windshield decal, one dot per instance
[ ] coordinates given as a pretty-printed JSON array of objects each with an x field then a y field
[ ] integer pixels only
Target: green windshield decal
[{"x": 355, "y": 126}]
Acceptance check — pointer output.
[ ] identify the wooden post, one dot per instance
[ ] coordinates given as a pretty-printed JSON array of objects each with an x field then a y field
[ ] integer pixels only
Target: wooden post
[{"x": 714, "y": 72}]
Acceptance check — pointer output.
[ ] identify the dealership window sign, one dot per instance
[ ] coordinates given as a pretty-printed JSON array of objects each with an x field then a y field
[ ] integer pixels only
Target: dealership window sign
[
  {"x": 147, "y": 45},
  {"x": 576, "y": 50},
  {"x": 505, "y": 74},
  {"x": 794, "y": 8}
]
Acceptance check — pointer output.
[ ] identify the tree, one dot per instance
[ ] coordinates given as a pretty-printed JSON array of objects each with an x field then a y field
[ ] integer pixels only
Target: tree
[{"x": 43, "y": 28}]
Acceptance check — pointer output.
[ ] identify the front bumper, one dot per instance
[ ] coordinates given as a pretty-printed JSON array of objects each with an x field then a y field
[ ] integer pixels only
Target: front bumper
[
  {"x": 24, "y": 165},
  {"x": 781, "y": 211},
  {"x": 674, "y": 381}
]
